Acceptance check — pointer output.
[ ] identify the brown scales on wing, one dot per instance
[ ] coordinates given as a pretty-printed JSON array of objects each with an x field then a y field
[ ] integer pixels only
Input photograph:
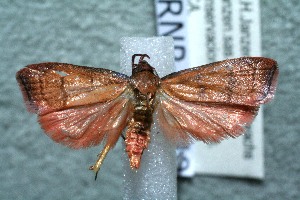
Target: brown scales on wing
[{"x": 144, "y": 83}]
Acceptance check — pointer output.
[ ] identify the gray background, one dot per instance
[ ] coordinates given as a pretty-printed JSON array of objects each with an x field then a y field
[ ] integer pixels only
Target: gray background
[{"x": 88, "y": 33}]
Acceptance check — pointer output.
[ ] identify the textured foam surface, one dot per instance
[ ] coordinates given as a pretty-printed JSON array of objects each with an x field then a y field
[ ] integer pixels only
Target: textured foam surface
[{"x": 156, "y": 178}]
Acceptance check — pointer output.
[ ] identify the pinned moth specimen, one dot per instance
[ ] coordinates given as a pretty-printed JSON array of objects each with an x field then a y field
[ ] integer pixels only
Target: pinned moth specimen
[{"x": 81, "y": 106}]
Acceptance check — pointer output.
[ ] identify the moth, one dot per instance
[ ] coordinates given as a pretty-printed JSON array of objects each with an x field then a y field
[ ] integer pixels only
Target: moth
[{"x": 81, "y": 106}]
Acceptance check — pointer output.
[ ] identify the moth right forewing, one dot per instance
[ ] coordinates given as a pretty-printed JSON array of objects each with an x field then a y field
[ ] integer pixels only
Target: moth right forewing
[{"x": 48, "y": 87}]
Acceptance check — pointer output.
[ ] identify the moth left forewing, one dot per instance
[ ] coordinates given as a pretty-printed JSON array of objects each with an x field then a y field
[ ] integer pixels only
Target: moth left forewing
[
  {"x": 243, "y": 81},
  {"x": 218, "y": 100}
]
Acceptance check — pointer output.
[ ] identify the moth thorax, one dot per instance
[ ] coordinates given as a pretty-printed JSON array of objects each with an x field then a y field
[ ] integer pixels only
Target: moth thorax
[{"x": 146, "y": 82}]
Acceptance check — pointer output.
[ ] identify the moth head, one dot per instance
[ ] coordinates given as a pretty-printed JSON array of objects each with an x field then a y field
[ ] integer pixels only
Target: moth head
[{"x": 142, "y": 64}]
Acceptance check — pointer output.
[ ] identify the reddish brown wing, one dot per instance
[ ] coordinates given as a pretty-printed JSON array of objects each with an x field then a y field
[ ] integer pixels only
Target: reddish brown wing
[
  {"x": 77, "y": 106},
  {"x": 48, "y": 87},
  {"x": 215, "y": 101}
]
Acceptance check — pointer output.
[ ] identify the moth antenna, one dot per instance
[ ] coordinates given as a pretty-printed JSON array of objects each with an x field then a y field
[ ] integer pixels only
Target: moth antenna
[{"x": 142, "y": 56}]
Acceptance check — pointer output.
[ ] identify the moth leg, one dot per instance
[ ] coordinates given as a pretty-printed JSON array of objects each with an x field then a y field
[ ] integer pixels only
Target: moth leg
[{"x": 101, "y": 156}]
